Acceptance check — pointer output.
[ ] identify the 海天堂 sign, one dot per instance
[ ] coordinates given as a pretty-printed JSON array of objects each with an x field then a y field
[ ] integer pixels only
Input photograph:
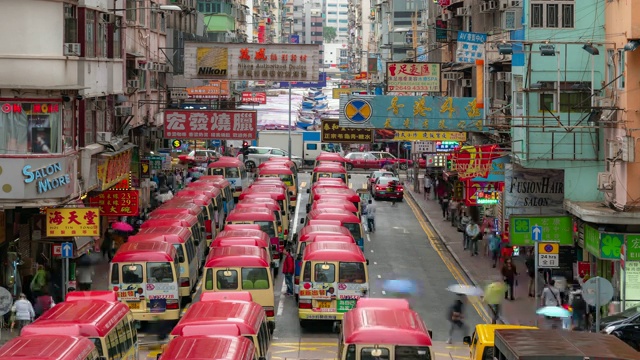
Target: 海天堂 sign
[
  {"x": 72, "y": 222},
  {"x": 554, "y": 229},
  {"x": 211, "y": 124}
]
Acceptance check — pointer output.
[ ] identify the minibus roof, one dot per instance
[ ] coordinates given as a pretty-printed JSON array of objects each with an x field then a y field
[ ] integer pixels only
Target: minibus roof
[
  {"x": 45, "y": 347},
  {"x": 177, "y": 207},
  {"x": 89, "y": 318},
  {"x": 242, "y": 233},
  {"x": 273, "y": 206},
  {"x": 216, "y": 347},
  {"x": 170, "y": 234},
  {"x": 329, "y": 184},
  {"x": 334, "y": 251},
  {"x": 402, "y": 327},
  {"x": 170, "y": 220},
  {"x": 268, "y": 185},
  {"x": 105, "y": 295},
  {"x": 275, "y": 169},
  {"x": 325, "y": 203},
  {"x": 277, "y": 160},
  {"x": 241, "y": 227},
  {"x": 330, "y": 156},
  {"x": 199, "y": 191},
  {"x": 325, "y": 222},
  {"x": 143, "y": 251},
  {"x": 330, "y": 238},
  {"x": 333, "y": 190},
  {"x": 218, "y": 180},
  {"x": 251, "y": 214},
  {"x": 336, "y": 196},
  {"x": 247, "y": 315},
  {"x": 235, "y": 241},
  {"x": 334, "y": 214},
  {"x": 260, "y": 193},
  {"x": 226, "y": 296},
  {"x": 225, "y": 161},
  {"x": 330, "y": 168},
  {"x": 237, "y": 256},
  {"x": 323, "y": 229},
  {"x": 383, "y": 303}
]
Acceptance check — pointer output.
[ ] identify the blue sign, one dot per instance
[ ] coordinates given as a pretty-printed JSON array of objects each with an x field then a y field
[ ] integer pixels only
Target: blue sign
[
  {"x": 421, "y": 52},
  {"x": 536, "y": 233},
  {"x": 46, "y": 178},
  {"x": 496, "y": 173},
  {"x": 66, "y": 250},
  {"x": 322, "y": 82},
  {"x": 294, "y": 39},
  {"x": 407, "y": 146},
  {"x": 470, "y": 47},
  {"x": 421, "y": 113},
  {"x": 216, "y": 143}
]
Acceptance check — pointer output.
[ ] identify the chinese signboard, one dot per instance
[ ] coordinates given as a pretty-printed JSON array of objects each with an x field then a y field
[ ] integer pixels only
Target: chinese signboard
[
  {"x": 332, "y": 132},
  {"x": 413, "y": 113},
  {"x": 336, "y": 92},
  {"x": 470, "y": 47},
  {"x": 322, "y": 82},
  {"x": 145, "y": 168},
  {"x": 446, "y": 146},
  {"x": 633, "y": 247},
  {"x": 254, "y": 97},
  {"x": 72, "y": 222},
  {"x": 533, "y": 191},
  {"x": 413, "y": 77},
  {"x": 270, "y": 62},
  {"x": 602, "y": 245},
  {"x": 211, "y": 124},
  {"x": 116, "y": 202},
  {"x": 372, "y": 65},
  {"x": 630, "y": 284},
  {"x": 478, "y": 193},
  {"x": 214, "y": 90},
  {"x": 497, "y": 170},
  {"x": 400, "y": 135},
  {"x": 442, "y": 33},
  {"x": 473, "y": 161},
  {"x": 554, "y": 229},
  {"x": 37, "y": 178},
  {"x": 113, "y": 168}
]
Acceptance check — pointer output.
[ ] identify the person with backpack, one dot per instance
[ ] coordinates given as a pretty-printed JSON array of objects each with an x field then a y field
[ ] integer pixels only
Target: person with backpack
[
  {"x": 370, "y": 214},
  {"x": 494, "y": 247},
  {"x": 473, "y": 234}
]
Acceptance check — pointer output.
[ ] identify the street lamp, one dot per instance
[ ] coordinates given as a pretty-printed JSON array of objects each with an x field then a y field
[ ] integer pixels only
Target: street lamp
[{"x": 290, "y": 21}]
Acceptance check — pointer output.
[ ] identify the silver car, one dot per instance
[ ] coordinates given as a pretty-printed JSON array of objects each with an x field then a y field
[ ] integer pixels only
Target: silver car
[{"x": 258, "y": 155}]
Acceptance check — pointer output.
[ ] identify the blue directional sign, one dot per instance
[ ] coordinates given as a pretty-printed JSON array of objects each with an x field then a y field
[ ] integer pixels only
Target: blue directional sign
[
  {"x": 407, "y": 146},
  {"x": 536, "y": 233},
  {"x": 67, "y": 250},
  {"x": 216, "y": 143}
]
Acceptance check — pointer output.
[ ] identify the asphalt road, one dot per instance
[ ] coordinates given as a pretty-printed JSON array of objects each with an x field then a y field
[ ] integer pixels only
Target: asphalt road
[{"x": 404, "y": 246}]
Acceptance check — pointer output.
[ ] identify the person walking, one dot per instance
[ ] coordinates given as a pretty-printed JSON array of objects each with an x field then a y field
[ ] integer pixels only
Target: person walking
[
  {"x": 456, "y": 318},
  {"x": 494, "y": 247},
  {"x": 473, "y": 233},
  {"x": 464, "y": 221},
  {"x": 444, "y": 204},
  {"x": 371, "y": 216},
  {"x": 509, "y": 274},
  {"x": 530, "y": 263},
  {"x": 427, "y": 184},
  {"x": 24, "y": 312},
  {"x": 39, "y": 282},
  {"x": 84, "y": 275},
  {"x": 288, "y": 268},
  {"x": 43, "y": 303},
  {"x": 579, "y": 312},
  {"x": 551, "y": 297}
]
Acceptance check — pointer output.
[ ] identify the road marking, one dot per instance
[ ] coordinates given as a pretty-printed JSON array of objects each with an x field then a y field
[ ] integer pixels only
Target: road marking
[
  {"x": 384, "y": 292},
  {"x": 283, "y": 289},
  {"x": 453, "y": 356},
  {"x": 379, "y": 277},
  {"x": 457, "y": 347},
  {"x": 457, "y": 275},
  {"x": 303, "y": 184},
  {"x": 371, "y": 250},
  {"x": 368, "y": 237},
  {"x": 375, "y": 263},
  {"x": 295, "y": 217}
]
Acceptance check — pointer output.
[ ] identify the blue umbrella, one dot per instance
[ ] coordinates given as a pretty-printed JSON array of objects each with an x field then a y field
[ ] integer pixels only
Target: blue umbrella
[
  {"x": 554, "y": 311},
  {"x": 401, "y": 286}
]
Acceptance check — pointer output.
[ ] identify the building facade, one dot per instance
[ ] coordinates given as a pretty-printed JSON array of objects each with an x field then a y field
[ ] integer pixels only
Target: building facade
[{"x": 337, "y": 17}]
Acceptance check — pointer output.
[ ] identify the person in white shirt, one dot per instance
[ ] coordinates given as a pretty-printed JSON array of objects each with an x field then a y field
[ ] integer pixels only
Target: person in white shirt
[
  {"x": 428, "y": 183},
  {"x": 473, "y": 234},
  {"x": 23, "y": 310},
  {"x": 371, "y": 216},
  {"x": 85, "y": 277}
]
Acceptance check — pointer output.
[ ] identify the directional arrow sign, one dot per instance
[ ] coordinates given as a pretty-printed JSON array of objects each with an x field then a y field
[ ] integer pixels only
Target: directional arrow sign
[
  {"x": 536, "y": 233},
  {"x": 67, "y": 250}
]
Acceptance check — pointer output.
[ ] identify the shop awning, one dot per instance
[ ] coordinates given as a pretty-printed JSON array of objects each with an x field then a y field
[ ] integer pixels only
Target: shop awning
[
  {"x": 120, "y": 150},
  {"x": 82, "y": 245}
]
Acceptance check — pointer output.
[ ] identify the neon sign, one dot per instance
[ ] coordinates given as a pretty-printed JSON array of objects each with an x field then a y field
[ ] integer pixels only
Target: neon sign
[
  {"x": 446, "y": 146},
  {"x": 487, "y": 197},
  {"x": 30, "y": 108}
]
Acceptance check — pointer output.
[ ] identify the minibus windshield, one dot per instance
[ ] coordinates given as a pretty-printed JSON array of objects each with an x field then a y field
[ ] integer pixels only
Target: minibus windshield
[
  {"x": 354, "y": 229},
  {"x": 232, "y": 172},
  {"x": 287, "y": 179},
  {"x": 267, "y": 226},
  {"x": 159, "y": 272}
]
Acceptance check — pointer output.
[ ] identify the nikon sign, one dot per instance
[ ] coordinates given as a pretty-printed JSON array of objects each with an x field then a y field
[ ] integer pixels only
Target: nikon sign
[{"x": 266, "y": 62}]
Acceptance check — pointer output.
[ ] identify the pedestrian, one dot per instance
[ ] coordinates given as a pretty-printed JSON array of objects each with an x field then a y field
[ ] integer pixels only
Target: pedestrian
[
  {"x": 464, "y": 221},
  {"x": 530, "y": 263},
  {"x": 494, "y": 247},
  {"x": 84, "y": 275},
  {"x": 23, "y": 312},
  {"x": 43, "y": 303},
  {"x": 551, "y": 297},
  {"x": 579, "y": 313},
  {"x": 39, "y": 282},
  {"x": 456, "y": 318},
  {"x": 427, "y": 184},
  {"x": 473, "y": 233},
  {"x": 444, "y": 204},
  {"x": 509, "y": 274},
  {"x": 371, "y": 216},
  {"x": 288, "y": 268}
]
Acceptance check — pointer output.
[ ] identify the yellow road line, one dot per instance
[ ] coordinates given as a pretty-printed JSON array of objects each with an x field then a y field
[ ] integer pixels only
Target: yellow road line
[
  {"x": 475, "y": 302},
  {"x": 303, "y": 184},
  {"x": 350, "y": 185},
  {"x": 364, "y": 185}
]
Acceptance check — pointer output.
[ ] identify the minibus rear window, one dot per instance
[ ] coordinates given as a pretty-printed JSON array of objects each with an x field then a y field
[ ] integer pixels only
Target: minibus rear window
[
  {"x": 227, "y": 279},
  {"x": 413, "y": 353},
  {"x": 267, "y": 226},
  {"x": 325, "y": 273},
  {"x": 232, "y": 172},
  {"x": 159, "y": 272},
  {"x": 255, "y": 278},
  {"x": 287, "y": 179},
  {"x": 216, "y": 171},
  {"x": 351, "y": 272},
  {"x": 132, "y": 274},
  {"x": 179, "y": 252},
  {"x": 367, "y": 353}
]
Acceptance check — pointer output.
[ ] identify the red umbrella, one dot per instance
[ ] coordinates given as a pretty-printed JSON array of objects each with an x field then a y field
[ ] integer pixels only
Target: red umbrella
[{"x": 122, "y": 226}]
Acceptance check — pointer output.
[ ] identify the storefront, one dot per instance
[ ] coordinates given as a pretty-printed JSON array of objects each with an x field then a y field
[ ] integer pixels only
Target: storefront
[{"x": 630, "y": 271}]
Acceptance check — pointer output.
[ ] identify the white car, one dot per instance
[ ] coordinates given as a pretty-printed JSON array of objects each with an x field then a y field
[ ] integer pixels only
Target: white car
[
  {"x": 258, "y": 155},
  {"x": 199, "y": 156}
]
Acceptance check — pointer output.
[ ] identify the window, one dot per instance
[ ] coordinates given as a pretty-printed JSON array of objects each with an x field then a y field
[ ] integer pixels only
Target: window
[
  {"x": 115, "y": 277},
  {"x": 366, "y": 353},
  {"x": 351, "y": 272},
  {"x": 312, "y": 146},
  {"x": 354, "y": 229},
  {"x": 153, "y": 18},
  {"x": 89, "y": 126},
  {"x": 611, "y": 65},
  {"x": 412, "y": 353},
  {"x": 116, "y": 43},
  {"x": 68, "y": 129},
  {"x": 306, "y": 274},
  {"x": 574, "y": 102},
  {"x": 98, "y": 344},
  {"x": 101, "y": 48},
  {"x": 351, "y": 352},
  {"x": 255, "y": 278},
  {"x": 131, "y": 11},
  {"x": 324, "y": 273},
  {"x": 287, "y": 179},
  {"x": 216, "y": 171},
  {"x": 227, "y": 279},
  {"x": 332, "y": 12},
  {"x": 267, "y": 226},
  {"x": 70, "y": 23},
  {"x": 159, "y": 272},
  {"x": 278, "y": 152},
  {"x": 112, "y": 344},
  {"x": 142, "y": 13},
  {"x": 132, "y": 274},
  {"x": 552, "y": 13},
  {"x": 122, "y": 337},
  {"x": 341, "y": 21},
  {"x": 30, "y": 128},
  {"x": 547, "y": 102},
  {"x": 621, "y": 65},
  {"x": 191, "y": 250},
  {"x": 90, "y": 36},
  {"x": 332, "y": 21},
  {"x": 208, "y": 280}
]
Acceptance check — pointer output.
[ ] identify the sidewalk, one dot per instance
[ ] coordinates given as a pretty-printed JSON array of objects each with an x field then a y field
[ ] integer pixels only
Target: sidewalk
[{"x": 479, "y": 268}]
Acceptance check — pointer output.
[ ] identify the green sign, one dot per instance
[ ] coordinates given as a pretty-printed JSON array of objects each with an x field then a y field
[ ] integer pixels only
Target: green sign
[
  {"x": 554, "y": 229},
  {"x": 602, "y": 245},
  {"x": 346, "y": 305},
  {"x": 156, "y": 162},
  {"x": 633, "y": 247}
]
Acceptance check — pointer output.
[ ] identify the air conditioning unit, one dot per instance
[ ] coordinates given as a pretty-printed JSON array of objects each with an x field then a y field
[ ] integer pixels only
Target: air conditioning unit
[
  {"x": 605, "y": 181},
  {"x": 493, "y": 5},
  {"x": 463, "y": 11},
  {"x": 448, "y": 15},
  {"x": 103, "y": 136},
  {"x": 143, "y": 65},
  {"x": 484, "y": 7},
  {"x": 71, "y": 49},
  {"x": 503, "y": 76},
  {"x": 133, "y": 84},
  {"x": 122, "y": 111},
  {"x": 465, "y": 82},
  {"x": 452, "y": 76},
  {"x": 99, "y": 105}
]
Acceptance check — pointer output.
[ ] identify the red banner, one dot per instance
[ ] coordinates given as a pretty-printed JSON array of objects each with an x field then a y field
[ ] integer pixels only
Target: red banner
[
  {"x": 474, "y": 161},
  {"x": 210, "y": 124},
  {"x": 472, "y": 188},
  {"x": 116, "y": 202},
  {"x": 251, "y": 97}
]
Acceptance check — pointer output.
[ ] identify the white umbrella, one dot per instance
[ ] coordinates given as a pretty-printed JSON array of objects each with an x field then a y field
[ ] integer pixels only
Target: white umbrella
[
  {"x": 465, "y": 290},
  {"x": 554, "y": 311}
]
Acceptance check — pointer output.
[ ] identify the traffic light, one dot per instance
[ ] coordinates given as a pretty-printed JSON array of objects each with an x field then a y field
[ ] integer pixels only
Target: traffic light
[{"x": 245, "y": 148}]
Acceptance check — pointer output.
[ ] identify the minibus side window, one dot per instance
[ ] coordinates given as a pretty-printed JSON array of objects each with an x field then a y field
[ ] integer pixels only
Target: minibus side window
[
  {"x": 114, "y": 352},
  {"x": 351, "y": 272},
  {"x": 216, "y": 171},
  {"x": 325, "y": 273},
  {"x": 128, "y": 333},
  {"x": 351, "y": 352},
  {"x": 227, "y": 281},
  {"x": 180, "y": 252},
  {"x": 122, "y": 338},
  {"x": 134, "y": 331},
  {"x": 255, "y": 278},
  {"x": 132, "y": 274},
  {"x": 191, "y": 252},
  {"x": 115, "y": 277},
  {"x": 263, "y": 338},
  {"x": 412, "y": 353},
  {"x": 243, "y": 173},
  {"x": 354, "y": 229},
  {"x": 267, "y": 227},
  {"x": 159, "y": 272},
  {"x": 208, "y": 280},
  {"x": 365, "y": 353},
  {"x": 306, "y": 275},
  {"x": 98, "y": 344}
]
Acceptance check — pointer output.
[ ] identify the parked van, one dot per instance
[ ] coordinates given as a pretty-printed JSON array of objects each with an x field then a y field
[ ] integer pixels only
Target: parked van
[
  {"x": 233, "y": 170},
  {"x": 182, "y": 220},
  {"x": 482, "y": 341},
  {"x": 225, "y": 187}
]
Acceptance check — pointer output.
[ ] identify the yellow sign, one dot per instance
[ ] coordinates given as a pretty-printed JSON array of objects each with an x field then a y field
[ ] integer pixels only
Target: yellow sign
[
  {"x": 337, "y": 92},
  {"x": 405, "y": 135},
  {"x": 548, "y": 248},
  {"x": 72, "y": 222},
  {"x": 212, "y": 61},
  {"x": 113, "y": 169}
]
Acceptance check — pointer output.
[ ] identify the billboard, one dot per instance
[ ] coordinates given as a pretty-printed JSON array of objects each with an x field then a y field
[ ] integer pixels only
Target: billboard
[
  {"x": 336, "y": 92},
  {"x": 332, "y": 132},
  {"x": 414, "y": 113},
  {"x": 413, "y": 77},
  {"x": 429, "y": 135},
  {"x": 251, "y": 61},
  {"x": 116, "y": 202},
  {"x": 211, "y": 124},
  {"x": 72, "y": 222},
  {"x": 322, "y": 82},
  {"x": 254, "y": 97}
]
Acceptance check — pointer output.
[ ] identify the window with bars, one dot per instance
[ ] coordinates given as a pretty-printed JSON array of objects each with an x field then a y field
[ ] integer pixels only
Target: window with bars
[
  {"x": 101, "y": 40},
  {"x": 90, "y": 35},
  {"x": 552, "y": 14},
  {"x": 131, "y": 11},
  {"x": 142, "y": 13},
  {"x": 70, "y": 23}
]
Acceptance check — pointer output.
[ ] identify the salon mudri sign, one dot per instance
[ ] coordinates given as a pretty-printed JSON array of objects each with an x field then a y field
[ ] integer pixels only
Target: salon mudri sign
[
  {"x": 37, "y": 178},
  {"x": 533, "y": 191},
  {"x": 47, "y": 177}
]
